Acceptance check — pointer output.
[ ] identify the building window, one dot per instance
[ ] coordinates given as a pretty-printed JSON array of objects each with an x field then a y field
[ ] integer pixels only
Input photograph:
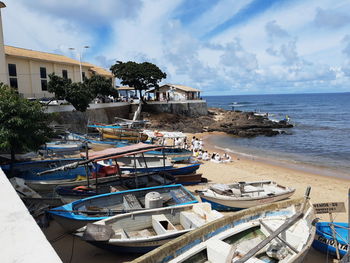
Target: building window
[
  {"x": 42, "y": 73},
  {"x": 43, "y": 84},
  {"x": 13, "y": 76},
  {"x": 43, "y": 77},
  {"x": 12, "y": 70},
  {"x": 65, "y": 74},
  {"x": 13, "y": 83},
  {"x": 83, "y": 74}
]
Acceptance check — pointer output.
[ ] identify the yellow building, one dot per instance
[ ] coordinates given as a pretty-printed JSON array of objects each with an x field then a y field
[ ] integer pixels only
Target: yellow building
[
  {"x": 3, "y": 69},
  {"x": 27, "y": 70}
]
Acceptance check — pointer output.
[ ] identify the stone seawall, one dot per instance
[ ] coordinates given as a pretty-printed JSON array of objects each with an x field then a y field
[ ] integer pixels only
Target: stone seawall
[
  {"x": 105, "y": 112},
  {"x": 77, "y": 121},
  {"x": 187, "y": 108}
]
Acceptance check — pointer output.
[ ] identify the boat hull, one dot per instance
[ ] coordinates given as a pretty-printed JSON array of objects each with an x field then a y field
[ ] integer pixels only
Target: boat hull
[
  {"x": 235, "y": 205},
  {"x": 325, "y": 243},
  {"x": 185, "y": 247},
  {"x": 134, "y": 247},
  {"x": 70, "y": 219}
]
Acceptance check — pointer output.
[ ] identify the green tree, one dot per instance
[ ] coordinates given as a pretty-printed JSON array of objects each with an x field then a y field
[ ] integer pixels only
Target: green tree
[
  {"x": 100, "y": 86},
  {"x": 141, "y": 76},
  {"x": 24, "y": 126},
  {"x": 80, "y": 94}
]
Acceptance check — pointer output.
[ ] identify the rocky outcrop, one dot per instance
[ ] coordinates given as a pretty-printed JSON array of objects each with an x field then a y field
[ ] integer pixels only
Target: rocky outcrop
[{"x": 242, "y": 124}]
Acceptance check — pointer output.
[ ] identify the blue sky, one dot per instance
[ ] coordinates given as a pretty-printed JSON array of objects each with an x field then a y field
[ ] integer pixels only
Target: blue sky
[{"x": 222, "y": 47}]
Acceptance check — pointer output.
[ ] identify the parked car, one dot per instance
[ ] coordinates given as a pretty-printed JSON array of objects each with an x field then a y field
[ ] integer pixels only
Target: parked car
[{"x": 52, "y": 102}]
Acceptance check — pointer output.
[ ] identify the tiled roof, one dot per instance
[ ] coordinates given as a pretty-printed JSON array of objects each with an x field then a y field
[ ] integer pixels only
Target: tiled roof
[
  {"x": 28, "y": 53},
  {"x": 182, "y": 87}
]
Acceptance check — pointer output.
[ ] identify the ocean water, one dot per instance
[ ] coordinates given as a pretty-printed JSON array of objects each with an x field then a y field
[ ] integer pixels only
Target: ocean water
[{"x": 320, "y": 137}]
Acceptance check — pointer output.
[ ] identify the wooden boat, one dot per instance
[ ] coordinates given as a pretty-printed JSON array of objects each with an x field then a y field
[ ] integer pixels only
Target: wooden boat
[
  {"x": 29, "y": 170},
  {"x": 278, "y": 232},
  {"x": 62, "y": 147},
  {"x": 96, "y": 139},
  {"x": 149, "y": 164},
  {"x": 78, "y": 213},
  {"x": 116, "y": 133},
  {"x": 189, "y": 179},
  {"x": 129, "y": 181},
  {"x": 325, "y": 242},
  {"x": 243, "y": 195},
  {"x": 45, "y": 182},
  {"x": 143, "y": 231},
  {"x": 140, "y": 164},
  {"x": 174, "y": 154}
]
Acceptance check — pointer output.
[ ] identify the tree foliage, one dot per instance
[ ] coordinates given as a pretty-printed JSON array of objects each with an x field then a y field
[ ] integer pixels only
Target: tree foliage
[
  {"x": 80, "y": 94},
  {"x": 101, "y": 86},
  {"x": 141, "y": 76},
  {"x": 24, "y": 126}
]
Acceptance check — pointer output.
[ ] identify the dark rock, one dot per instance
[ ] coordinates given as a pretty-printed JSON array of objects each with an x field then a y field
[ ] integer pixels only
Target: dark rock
[{"x": 241, "y": 124}]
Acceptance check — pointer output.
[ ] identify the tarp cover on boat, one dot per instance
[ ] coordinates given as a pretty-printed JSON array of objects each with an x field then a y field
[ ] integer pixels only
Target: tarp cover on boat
[
  {"x": 122, "y": 151},
  {"x": 164, "y": 134}
]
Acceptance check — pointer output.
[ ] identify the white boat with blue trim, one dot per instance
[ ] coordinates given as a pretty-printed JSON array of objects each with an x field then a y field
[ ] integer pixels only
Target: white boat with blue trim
[
  {"x": 143, "y": 231},
  {"x": 280, "y": 232},
  {"x": 242, "y": 195},
  {"x": 81, "y": 212}
]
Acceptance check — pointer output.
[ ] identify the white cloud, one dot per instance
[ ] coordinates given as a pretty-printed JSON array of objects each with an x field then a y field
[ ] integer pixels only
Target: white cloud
[{"x": 279, "y": 50}]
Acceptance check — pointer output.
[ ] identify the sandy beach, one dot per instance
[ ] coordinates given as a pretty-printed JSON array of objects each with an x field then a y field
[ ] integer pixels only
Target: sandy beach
[{"x": 324, "y": 189}]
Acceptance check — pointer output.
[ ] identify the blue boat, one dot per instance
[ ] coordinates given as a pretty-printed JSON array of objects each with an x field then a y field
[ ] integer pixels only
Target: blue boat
[
  {"x": 96, "y": 139},
  {"x": 81, "y": 212},
  {"x": 325, "y": 242},
  {"x": 126, "y": 182},
  {"x": 28, "y": 170},
  {"x": 174, "y": 154}
]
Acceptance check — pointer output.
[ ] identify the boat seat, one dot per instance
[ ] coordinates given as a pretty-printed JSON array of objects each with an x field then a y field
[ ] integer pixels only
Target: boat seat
[
  {"x": 252, "y": 189},
  {"x": 162, "y": 225},
  {"x": 191, "y": 220},
  {"x": 179, "y": 196},
  {"x": 219, "y": 251},
  {"x": 120, "y": 234},
  {"x": 130, "y": 202}
]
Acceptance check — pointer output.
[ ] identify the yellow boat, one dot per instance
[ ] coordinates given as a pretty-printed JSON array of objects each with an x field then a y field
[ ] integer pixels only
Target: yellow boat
[{"x": 122, "y": 134}]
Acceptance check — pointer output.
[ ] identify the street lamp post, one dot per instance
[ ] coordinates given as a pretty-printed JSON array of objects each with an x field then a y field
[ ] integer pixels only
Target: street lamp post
[{"x": 80, "y": 59}]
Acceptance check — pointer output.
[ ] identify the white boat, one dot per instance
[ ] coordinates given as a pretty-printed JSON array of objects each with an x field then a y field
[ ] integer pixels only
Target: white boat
[
  {"x": 281, "y": 232},
  {"x": 236, "y": 196},
  {"x": 142, "y": 231}
]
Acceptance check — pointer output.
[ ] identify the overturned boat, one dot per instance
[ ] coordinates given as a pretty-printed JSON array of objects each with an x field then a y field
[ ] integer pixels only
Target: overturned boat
[
  {"x": 142, "y": 231},
  {"x": 278, "y": 232},
  {"x": 226, "y": 197}
]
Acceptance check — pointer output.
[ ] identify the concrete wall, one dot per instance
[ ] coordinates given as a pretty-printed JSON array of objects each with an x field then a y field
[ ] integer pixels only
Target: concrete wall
[
  {"x": 77, "y": 121},
  {"x": 188, "y": 108},
  {"x": 21, "y": 239},
  {"x": 28, "y": 74},
  {"x": 3, "y": 65}
]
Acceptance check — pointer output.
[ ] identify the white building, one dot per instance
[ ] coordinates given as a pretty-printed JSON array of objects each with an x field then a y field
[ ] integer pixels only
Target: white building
[{"x": 171, "y": 92}]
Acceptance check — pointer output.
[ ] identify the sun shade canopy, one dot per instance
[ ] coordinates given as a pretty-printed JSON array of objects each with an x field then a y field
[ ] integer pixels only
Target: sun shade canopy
[
  {"x": 111, "y": 153},
  {"x": 121, "y": 151}
]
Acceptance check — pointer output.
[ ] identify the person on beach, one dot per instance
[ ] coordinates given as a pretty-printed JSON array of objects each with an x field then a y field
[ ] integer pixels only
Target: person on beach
[
  {"x": 192, "y": 141},
  {"x": 217, "y": 158},
  {"x": 200, "y": 144},
  {"x": 200, "y": 155},
  {"x": 213, "y": 156},
  {"x": 196, "y": 144},
  {"x": 226, "y": 158},
  {"x": 205, "y": 156},
  {"x": 177, "y": 142}
]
